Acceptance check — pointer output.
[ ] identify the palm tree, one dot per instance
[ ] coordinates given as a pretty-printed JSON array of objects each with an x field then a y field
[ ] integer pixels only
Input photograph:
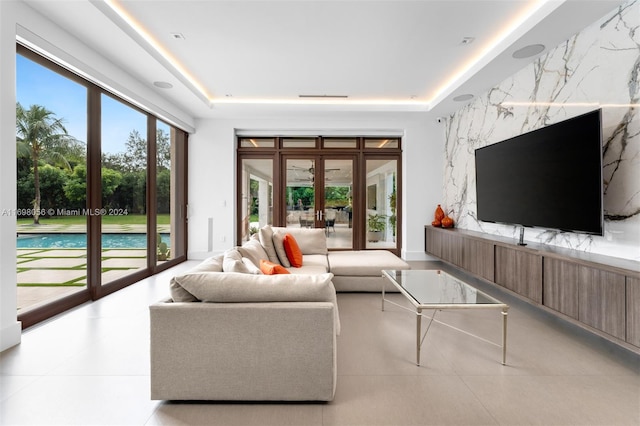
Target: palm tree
[{"x": 42, "y": 136}]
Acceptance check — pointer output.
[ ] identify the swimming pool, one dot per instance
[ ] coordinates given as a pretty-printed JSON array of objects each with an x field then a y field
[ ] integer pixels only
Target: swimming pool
[{"x": 136, "y": 241}]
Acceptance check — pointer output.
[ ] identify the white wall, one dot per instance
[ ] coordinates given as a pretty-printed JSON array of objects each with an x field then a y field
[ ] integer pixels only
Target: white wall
[
  {"x": 17, "y": 18},
  {"x": 212, "y": 162},
  {"x": 9, "y": 326}
]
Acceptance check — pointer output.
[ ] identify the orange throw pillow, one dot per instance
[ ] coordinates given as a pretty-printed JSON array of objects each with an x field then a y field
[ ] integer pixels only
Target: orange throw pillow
[
  {"x": 294, "y": 254},
  {"x": 270, "y": 268}
]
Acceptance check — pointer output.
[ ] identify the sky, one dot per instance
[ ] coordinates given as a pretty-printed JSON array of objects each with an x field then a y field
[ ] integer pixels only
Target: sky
[{"x": 37, "y": 85}]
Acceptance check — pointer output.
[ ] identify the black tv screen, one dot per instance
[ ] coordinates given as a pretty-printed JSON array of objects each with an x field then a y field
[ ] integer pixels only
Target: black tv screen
[{"x": 549, "y": 178}]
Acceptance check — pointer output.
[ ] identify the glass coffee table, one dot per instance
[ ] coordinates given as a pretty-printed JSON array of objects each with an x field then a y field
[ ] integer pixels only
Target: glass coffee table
[{"x": 437, "y": 290}]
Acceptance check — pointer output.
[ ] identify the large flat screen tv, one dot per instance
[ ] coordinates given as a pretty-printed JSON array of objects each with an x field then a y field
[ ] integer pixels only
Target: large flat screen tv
[{"x": 548, "y": 178}]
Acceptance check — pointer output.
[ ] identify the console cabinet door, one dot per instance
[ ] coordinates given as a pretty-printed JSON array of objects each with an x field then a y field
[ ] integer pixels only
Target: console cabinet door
[
  {"x": 478, "y": 257},
  {"x": 633, "y": 311},
  {"x": 520, "y": 272},
  {"x": 561, "y": 286},
  {"x": 452, "y": 247},
  {"x": 602, "y": 300},
  {"x": 433, "y": 241}
]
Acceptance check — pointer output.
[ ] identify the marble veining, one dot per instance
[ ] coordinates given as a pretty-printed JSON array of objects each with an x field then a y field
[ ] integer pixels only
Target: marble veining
[{"x": 596, "y": 68}]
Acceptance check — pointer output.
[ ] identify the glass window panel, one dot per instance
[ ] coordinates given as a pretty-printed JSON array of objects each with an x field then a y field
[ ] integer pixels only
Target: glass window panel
[
  {"x": 381, "y": 203},
  {"x": 300, "y": 193},
  {"x": 256, "y": 195},
  {"x": 340, "y": 143},
  {"x": 165, "y": 192},
  {"x": 338, "y": 214},
  {"x": 124, "y": 190},
  {"x": 257, "y": 143},
  {"x": 299, "y": 143},
  {"x": 51, "y": 220},
  {"x": 382, "y": 143}
]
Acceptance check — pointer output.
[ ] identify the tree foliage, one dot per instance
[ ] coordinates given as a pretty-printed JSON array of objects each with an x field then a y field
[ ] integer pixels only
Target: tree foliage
[
  {"x": 54, "y": 163},
  {"x": 41, "y": 136}
]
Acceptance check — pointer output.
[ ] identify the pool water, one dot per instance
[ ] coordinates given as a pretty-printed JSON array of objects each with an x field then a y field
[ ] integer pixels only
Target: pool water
[{"x": 124, "y": 241}]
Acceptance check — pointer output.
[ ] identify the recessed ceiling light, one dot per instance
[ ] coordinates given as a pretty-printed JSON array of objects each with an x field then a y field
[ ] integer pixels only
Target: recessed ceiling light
[
  {"x": 163, "y": 84},
  {"x": 467, "y": 40},
  {"x": 462, "y": 98},
  {"x": 528, "y": 51},
  {"x": 177, "y": 36}
]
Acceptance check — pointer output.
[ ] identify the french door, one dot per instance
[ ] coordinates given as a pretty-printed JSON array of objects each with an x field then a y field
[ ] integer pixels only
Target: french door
[
  {"x": 350, "y": 187},
  {"x": 318, "y": 193}
]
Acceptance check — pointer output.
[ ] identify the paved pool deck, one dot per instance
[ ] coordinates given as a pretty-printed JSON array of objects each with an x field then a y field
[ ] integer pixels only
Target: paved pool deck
[{"x": 44, "y": 275}]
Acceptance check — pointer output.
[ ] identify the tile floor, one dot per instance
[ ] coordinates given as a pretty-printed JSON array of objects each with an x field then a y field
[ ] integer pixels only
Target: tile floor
[{"x": 91, "y": 366}]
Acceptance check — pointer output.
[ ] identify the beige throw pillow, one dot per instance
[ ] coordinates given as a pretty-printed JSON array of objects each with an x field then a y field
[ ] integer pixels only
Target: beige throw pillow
[
  {"x": 278, "y": 244},
  {"x": 254, "y": 251},
  {"x": 266, "y": 240},
  {"x": 253, "y": 269},
  {"x": 232, "y": 262}
]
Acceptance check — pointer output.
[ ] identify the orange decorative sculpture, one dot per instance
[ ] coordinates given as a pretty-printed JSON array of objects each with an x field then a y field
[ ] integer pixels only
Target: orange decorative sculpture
[{"x": 447, "y": 222}]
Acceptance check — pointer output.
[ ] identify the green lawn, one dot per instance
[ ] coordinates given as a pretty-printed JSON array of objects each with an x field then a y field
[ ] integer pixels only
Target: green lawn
[{"x": 131, "y": 219}]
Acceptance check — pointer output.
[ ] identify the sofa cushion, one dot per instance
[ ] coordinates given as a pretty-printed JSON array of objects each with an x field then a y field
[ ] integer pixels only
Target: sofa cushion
[
  {"x": 278, "y": 244},
  {"x": 232, "y": 262},
  {"x": 266, "y": 240},
  {"x": 308, "y": 270},
  {"x": 364, "y": 263},
  {"x": 233, "y": 287},
  {"x": 270, "y": 268},
  {"x": 310, "y": 241},
  {"x": 319, "y": 260},
  {"x": 293, "y": 250},
  {"x": 253, "y": 250}
]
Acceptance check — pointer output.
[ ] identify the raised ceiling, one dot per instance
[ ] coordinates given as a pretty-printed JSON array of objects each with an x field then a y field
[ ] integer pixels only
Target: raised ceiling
[{"x": 233, "y": 57}]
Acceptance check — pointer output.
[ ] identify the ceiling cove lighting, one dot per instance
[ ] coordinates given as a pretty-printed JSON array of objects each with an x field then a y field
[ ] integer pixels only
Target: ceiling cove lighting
[
  {"x": 138, "y": 28},
  {"x": 511, "y": 26},
  {"x": 527, "y": 12}
]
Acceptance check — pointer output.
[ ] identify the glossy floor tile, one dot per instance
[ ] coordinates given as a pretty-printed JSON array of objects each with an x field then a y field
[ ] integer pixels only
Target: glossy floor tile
[{"x": 91, "y": 366}]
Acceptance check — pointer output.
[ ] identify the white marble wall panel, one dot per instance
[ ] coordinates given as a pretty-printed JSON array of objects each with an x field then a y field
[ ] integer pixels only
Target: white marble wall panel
[{"x": 597, "y": 68}]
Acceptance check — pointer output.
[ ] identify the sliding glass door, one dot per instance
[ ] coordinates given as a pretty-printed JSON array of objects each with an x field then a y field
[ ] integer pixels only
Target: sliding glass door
[{"x": 101, "y": 190}]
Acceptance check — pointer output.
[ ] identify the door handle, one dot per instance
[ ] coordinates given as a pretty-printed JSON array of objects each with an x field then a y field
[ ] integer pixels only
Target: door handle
[{"x": 319, "y": 214}]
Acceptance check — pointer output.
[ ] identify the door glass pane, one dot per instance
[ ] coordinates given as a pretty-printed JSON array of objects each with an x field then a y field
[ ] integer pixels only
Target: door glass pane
[
  {"x": 338, "y": 215},
  {"x": 124, "y": 190},
  {"x": 300, "y": 193},
  {"x": 380, "y": 203},
  {"x": 381, "y": 143},
  {"x": 340, "y": 143},
  {"x": 257, "y": 143},
  {"x": 299, "y": 143},
  {"x": 165, "y": 192},
  {"x": 51, "y": 132},
  {"x": 256, "y": 195}
]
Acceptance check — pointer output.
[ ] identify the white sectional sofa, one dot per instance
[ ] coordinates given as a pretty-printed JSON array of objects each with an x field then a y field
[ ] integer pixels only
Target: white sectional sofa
[{"x": 229, "y": 333}]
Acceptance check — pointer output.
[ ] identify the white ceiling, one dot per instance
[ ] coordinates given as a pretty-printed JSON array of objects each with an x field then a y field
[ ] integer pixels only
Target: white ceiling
[{"x": 259, "y": 56}]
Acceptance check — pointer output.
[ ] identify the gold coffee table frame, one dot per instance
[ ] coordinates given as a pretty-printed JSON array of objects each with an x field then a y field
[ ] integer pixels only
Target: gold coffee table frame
[{"x": 446, "y": 292}]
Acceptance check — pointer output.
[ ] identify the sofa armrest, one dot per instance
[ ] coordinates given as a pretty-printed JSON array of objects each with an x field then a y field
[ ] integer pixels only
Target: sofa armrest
[{"x": 243, "y": 351}]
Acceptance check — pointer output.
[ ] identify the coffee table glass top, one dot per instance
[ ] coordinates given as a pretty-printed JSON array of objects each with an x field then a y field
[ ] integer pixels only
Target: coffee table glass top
[{"x": 436, "y": 287}]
